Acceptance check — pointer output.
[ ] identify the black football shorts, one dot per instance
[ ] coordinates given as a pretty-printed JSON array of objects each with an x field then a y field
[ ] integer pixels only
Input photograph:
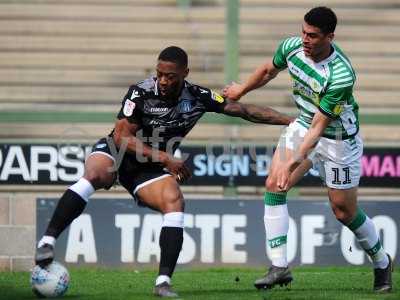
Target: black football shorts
[{"x": 132, "y": 174}]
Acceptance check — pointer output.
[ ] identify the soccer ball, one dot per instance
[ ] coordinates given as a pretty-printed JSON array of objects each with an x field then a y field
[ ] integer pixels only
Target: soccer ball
[{"x": 50, "y": 281}]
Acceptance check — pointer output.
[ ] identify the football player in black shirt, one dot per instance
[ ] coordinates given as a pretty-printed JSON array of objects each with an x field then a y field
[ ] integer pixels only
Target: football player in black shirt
[{"x": 155, "y": 115}]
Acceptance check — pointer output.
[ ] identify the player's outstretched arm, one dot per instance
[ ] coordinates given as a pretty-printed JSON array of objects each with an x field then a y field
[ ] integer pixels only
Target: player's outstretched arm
[
  {"x": 261, "y": 76},
  {"x": 256, "y": 114}
]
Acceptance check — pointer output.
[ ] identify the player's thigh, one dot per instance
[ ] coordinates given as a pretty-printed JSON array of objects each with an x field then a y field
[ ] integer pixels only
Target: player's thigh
[
  {"x": 289, "y": 142},
  {"x": 299, "y": 172},
  {"x": 99, "y": 170},
  {"x": 163, "y": 195},
  {"x": 279, "y": 159}
]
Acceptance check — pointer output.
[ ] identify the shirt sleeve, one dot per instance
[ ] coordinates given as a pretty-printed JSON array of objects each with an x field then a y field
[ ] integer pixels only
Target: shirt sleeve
[
  {"x": 214, "y": 102},
  {"x": 279, "y": 59},
  {"x": 131, "y": 105},
  {"x": 283, "y": 50},
  {"x": 332, "y": 103}
]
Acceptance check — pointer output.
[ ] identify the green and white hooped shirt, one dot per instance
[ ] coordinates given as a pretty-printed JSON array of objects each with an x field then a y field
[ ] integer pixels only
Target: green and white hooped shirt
[{"x": 326, "y": 86}]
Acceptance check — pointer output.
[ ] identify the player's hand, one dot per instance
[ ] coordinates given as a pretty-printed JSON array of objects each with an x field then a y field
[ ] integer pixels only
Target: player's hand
[
  {"x": 177, "y": 168},
  {"x": 283, "y": 176},
  {"x": 233, "y": 91}
]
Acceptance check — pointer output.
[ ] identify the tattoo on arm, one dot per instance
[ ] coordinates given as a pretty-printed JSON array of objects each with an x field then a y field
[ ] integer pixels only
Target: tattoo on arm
[{"x": 256, "y": 114}]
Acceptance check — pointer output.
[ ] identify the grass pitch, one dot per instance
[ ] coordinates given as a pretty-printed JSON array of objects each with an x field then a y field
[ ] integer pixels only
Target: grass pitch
[{"x": 309, "y": 283}]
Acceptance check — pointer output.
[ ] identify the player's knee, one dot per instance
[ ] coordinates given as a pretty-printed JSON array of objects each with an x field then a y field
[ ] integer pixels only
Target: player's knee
[
  {"x": 99, "y": 179},
  {"x": 172, "y": 201},
  {"x": 271, "y": 184}
]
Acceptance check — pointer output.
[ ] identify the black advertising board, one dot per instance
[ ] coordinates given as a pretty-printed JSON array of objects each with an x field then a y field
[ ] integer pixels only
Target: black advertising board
[
  {"x": 118, "y": 233},
  {"x": 232, "y": 165}
]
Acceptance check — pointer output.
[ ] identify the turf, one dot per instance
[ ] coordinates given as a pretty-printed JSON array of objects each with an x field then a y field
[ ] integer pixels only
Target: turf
[{"x": 310, "y": 283}]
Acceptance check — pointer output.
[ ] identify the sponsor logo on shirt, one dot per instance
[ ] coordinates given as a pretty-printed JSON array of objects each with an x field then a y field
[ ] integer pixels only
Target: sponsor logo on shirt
[
  {"x": 338, "y": 109},
  {"x": 314, "y": 84},
  {"x": 158, "y": 109},
  {"x": 295, "y": 70},
  {"x": 305, "y": 91},
  {"x": 135, "y": 94},
  {"x": 203, "y": 91},
  {"x": 154, "y": 122}
]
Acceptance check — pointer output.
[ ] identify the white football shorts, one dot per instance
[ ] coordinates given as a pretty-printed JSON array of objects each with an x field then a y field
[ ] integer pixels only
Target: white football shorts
[{"x": 338, "y": 161}]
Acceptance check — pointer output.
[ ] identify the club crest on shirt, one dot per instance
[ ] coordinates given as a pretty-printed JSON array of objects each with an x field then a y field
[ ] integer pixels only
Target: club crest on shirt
[
  {"x": 185, "y": 105},
  {"x": 217, "y": 97},
  {"x": 129, "y": 106}
]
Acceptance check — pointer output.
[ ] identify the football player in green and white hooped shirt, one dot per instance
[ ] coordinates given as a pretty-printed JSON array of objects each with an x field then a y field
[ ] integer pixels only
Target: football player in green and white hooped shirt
[{"x": 325, "y": 134}]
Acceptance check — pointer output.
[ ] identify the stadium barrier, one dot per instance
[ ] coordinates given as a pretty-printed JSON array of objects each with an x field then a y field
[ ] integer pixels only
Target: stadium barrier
[{"x": 116, "y": 233}]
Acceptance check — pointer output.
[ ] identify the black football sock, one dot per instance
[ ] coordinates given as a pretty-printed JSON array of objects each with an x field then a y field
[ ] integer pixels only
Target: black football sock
[
  {"x": 171, "y": 240},
  {"x": 69, "y": 207}
]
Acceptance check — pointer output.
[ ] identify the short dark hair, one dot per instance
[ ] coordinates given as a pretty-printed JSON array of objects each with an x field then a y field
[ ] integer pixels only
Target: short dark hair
[
  {"x": 174, "y": 54},
  {"x": 322, "y": 17}
]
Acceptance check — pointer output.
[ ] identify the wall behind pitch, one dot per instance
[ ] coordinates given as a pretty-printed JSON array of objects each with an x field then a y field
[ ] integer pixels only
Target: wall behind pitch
[
  {"x": 212, "y": 165},
  {"x": 228, "y": 232}
]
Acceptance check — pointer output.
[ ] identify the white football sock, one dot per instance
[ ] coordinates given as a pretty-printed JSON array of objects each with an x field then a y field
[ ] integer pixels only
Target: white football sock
[
  {"x": 163, "y": 278},
  {"x": 173, "y": 219},
  {"x": 83, "y": 188},
  {"x": 276, "y": 220},
  {"x": 47, "y": 239},
  {"x": 365, "y": 232}
]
